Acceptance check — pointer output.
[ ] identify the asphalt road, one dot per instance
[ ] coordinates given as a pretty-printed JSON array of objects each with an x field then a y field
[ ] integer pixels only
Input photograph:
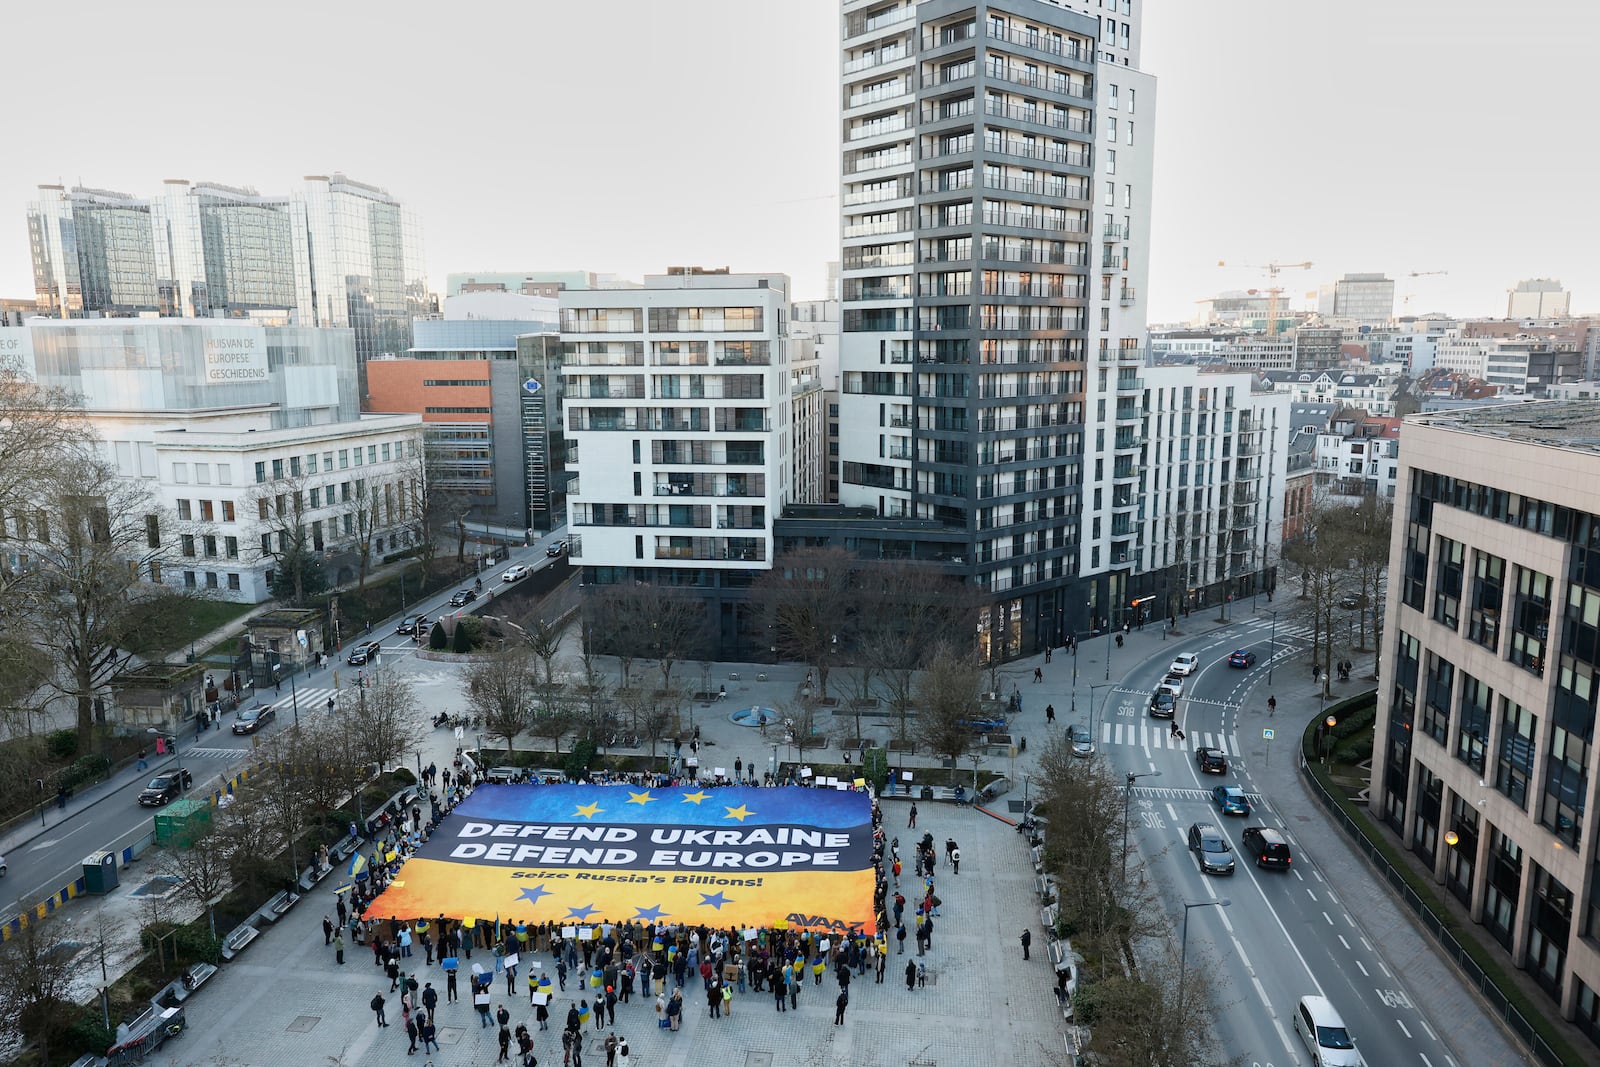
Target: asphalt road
[
  {"x": 41, "y": 860},
  {"x": 1283, "y": 934}
]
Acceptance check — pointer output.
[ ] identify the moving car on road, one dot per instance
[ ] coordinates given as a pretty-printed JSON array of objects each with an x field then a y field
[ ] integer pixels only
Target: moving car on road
[
  {"x": 516, "y": 572},
  {"x": 165, "y": 787},
  {"x": 1325, "y": 1035},
  {"x": 1082, "y": 743},
  {"x": 1162, "y": 704},
  {"x": 411, "y": 624},
  {"x": 1210, "y": 848},
  {"x": 1211, "y": 760},
  {"x": 363, "y": 653},
  {"x": 250, "y": 720},
  {"x": 465, "y": 596},
  {"x": 1242, "y": 657},
  {"x": 557, "y": 549},
  {"x": 1173, "y": 683},
  {"x": 1231, "y": 799},
  {"x": 1268, "y": 847},
  {"x": 1185, "y": 664},
  {"x": 2, "y": 866}
]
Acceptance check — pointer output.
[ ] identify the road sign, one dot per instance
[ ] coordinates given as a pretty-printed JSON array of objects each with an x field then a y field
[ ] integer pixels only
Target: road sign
[
  {"x": 532, "y": 386},
  {"x": 1267, "y": 734}
]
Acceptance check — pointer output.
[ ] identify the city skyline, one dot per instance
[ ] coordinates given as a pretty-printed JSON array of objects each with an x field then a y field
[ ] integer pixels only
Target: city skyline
[{"x": 1359, "y": 154}]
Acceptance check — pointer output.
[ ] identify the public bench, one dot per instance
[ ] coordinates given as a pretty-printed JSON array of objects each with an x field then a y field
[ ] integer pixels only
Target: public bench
[
  {"x": 278, "y": 906},
  {"x": 236, "y": 940},
  {"x": 192, "y": 979}
]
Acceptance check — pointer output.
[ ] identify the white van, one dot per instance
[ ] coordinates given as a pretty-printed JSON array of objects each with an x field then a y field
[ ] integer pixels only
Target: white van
[{"x": 1324, "y": 1033}]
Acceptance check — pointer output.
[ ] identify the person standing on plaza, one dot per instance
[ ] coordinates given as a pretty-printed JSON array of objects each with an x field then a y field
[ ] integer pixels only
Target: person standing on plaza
[
  {"x": 430, "y": 1034},
  {"x": 911, "y": 975},
  {"x": 541, "y": 1014},
  {"x": 411, "y": 1033},
  {"x": 504, "y": 1038},
  {"x": 1027, "y": 940},
  {"x": 430, "y": 998},
  {"x": 327, "y": 931},
  {"x": 611, "y": 1050},
  {"x": 841, "y": 1002},
  {"x": 377, "y": 1008},
  {"x": 912, "y": 822},
  {"x": 338, "y": 947},
  {"x": 955, "y": 860}
]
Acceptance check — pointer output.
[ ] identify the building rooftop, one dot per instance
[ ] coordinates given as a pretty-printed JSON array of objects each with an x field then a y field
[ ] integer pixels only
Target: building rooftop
[{"x": 1555, "y": 423}]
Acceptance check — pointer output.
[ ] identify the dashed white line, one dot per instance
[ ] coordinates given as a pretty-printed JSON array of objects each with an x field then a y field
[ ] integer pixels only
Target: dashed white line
[
  {"x": 1424, "y": 1058},
  {"x": 1385, "y": 969},
  {"x": 1311, "y": 893},
  {"x": 1403, "y": 1029},
  {"x": 1449, "y": 1061},
  {"x": 1343, "y": 942},
  {"x": 1364, "y": 972},
  {"x": 1368, "y": 945},
  {"x": 1428, "y": 1029},
  {"x": 1349, "y": 920},
  {"x": 1325, "y": 915},
  {"x": 1314, "y": 874}
]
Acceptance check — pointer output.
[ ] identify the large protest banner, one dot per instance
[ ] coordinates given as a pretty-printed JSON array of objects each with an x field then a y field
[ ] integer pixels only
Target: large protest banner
[{"x": 583, "y": 854}]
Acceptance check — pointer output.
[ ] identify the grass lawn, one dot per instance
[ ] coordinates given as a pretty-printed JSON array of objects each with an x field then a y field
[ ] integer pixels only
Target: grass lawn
[{"x": 205, "y": 616}]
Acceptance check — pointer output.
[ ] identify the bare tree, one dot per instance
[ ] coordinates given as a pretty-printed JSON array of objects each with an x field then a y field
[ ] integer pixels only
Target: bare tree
[
  {"x": 544, "y": 641},
  {"x": 203, "y": 866},
  {"x": 386, "y": 717},
  {"x": 552, "y": 716},
  {"x": 94, "y": 568},
  {"x": 803, "y": 725},
  {"x": 500, "y": 689},
  {"x": 35, "y": 986},
  {"x": 435, "y": 508},
  {"x": 653, "y": 622},
  {"x": 810, "y": 601},
  {"x": 947, "y": 699}
]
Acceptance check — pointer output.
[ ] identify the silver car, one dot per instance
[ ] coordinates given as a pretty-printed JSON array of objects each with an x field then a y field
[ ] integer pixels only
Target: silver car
[
  {"x": 1210, "y": 848},
  {"x": 1082, "y": 742}
]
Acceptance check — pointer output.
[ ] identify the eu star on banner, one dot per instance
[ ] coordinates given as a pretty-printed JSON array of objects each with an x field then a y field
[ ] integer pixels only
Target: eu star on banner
[{"x": 591, "y": 854}]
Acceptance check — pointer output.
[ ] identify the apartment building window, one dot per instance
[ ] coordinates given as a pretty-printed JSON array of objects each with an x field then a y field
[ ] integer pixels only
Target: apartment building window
[
  {"x": 1111, "y": 161},
  {"x": 277, "y": 469},
  {"x": 209, "y": 544},
  {"x": 344, "y": 458},
  {"x": 1566, "y": 775},
  {"x": 152, "y": 531},
  {"x": 180, "y": 473},
  {"x": 1488, "y": 593},
  {"x": 155, "y": 571},
  {"x": 294, "y": 467},
  {"x": 316, "y": 496},
  {"x": 386, "y": 451},
  {"x": 1472, "y": 740},
  {"x": 190, "y": 580},
  {"x": 266, "y": 544},
  {"x": 355, "y": 456},
  {"x": 1112, "y": 100},
  {"x": 261, "y": 471},
  {"x": 1414, "y": 574},
  {"x": 1127, "y": 201},
  {"x": 207, "y": 511},
  {"x": 327, "y": 462},
  {"x": 1447, "y": 591},
  {"x": 1504, "y": 887},
  {"x": 231, "y": 546},
  {"x": 185, "y": 511},
  {"x": 1515, "y": 759},
  {"x": 1530, "y": 621},
  {"x": 1436, "y": 705},
  {"x": 1133, "y": 98},
  {"x": 211, "y": 579},
  {"x": 233, "y": 582},
  {"x": 372, "y": 453},
  {"x": 1111, "y": 130},
  {"x": 1128, "y": 131},
  {"x": 186, "y": 544},
  {"x": 344, "y": 492}
]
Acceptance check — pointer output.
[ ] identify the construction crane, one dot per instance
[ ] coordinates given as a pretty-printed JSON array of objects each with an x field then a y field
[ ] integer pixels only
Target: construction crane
[
  {"x": 1405, "y": 301},
  {"x": 1274, "y": 291}
]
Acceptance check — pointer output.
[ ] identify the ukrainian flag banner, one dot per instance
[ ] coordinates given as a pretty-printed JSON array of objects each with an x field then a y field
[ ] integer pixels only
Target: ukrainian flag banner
[{"x": 589, "y": 854}]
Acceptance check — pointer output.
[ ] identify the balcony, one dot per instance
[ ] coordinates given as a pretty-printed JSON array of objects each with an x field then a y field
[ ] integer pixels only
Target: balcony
[
  {"x": 579, "y": 420},
  {"x": 893, "y": 91},
  {"x": 1127, "y": 297},
  {"x": 1043, "y": 153},
  {"x": 1112, "y": 262},
  {"x": 731, "y": 422},
  {"x": 1037, "y": 116},
  {"x": 892, "y": 54},
  {"x": 1112, "y": 231},
  {"x": 1052, "y": 83},
  {"x": 945, "y": 35},
  {"x": 1066, "y": 48},
  {"x": 1130, "y": 385},
  {"x": 856, "y": 25},
  {"x": 958, "y": 72},
  {"x": 1028, "y": 221},
  {"x": 875, "y": 129}
]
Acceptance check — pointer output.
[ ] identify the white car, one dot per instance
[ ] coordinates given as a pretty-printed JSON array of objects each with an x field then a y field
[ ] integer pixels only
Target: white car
[
  {"x": 1186, "y": 664},
  {"x": 1324, "y": 1033},
  {"x": 516, "y": 573},
  {"x": 1173, "y": 683}
]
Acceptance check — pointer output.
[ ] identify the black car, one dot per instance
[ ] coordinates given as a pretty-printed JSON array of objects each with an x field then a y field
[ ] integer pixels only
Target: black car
[
  {"x": 1268, "y": 847},
  {"x": 557, "y": 549},
  {"x": 1211, "y": 760},
  {"x": 1242, "y": 657},
  {"x": 250, "y": 720},
  {"x": 165, "y": 787},
  {"x": 1163, "y": 705},
  {"x": 364, "y": 653},
  {"x": 1210, "y": 848},
  {"x": 465, "y": 596},
  {"x": 411, "y": 623}
]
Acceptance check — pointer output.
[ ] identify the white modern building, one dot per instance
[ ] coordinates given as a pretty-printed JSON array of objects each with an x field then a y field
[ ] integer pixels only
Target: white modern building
[
  {"x": 1538, "y": 298},
  {"x": 230, "y": 427},
  {"x": 1366, "y": 299},
  {"x": 1373, "y": 393},
  {"x": 1359, "y": 457},
  {"x": 692, "y": 418}
]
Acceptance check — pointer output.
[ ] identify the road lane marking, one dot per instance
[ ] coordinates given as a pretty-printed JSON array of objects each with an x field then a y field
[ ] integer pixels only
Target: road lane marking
[
  {"x": 1343, "y": 942},
  {"x": 1368, "y": 945},
  {"x": 1325, "y": 915},
  {"x": 1428, "y": 1029},
  {"x": 1425, "y": 1059},
  {"x": 1312, "y": 893},
  {"x": 1364, "y": 972},
  {"x": 1385, "y": 969},
  {"x": 1403, "y": 1029}
]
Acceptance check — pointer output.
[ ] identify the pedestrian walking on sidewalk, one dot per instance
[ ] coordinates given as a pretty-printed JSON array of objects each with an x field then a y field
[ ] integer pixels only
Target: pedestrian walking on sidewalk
[
  {"x": 377, "y": 1008},
  {"x": 912, "y": 822},
  {"x": 338, "y": 947},
  {"x": 1050, "y": 714},
  {"x": 1038, "y": 675},
  {"x": 1272, "y": 705},
  {"x": 1027, "y": 940}
]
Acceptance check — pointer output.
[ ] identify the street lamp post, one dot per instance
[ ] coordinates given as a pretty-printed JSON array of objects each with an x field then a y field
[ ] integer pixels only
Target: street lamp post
[
  {"x": 1272, "y": 651},
  {"x": 1126, "y": 796},
  {"x": 1111, "y": 636},
  {"x": 1183, "y": 950},
  {"x": 1327, "y": 745}
]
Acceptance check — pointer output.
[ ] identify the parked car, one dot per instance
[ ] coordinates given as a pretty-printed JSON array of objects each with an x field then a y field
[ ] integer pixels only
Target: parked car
[
  {"x": 1079, "y": 738},
  {"x": 1325, "y": 1035},
  {"x": 364, "y": 653},
  {"x": 1268, "y": 847},
  {"x": 411, "y": 624},
  {"x": 1242, "y": 657},
  {"x": 1210, "y": 848},
  {"x": 2, "y": 866},
  {"x": 1162, "y": 704},
  {"x": 1211, "y": 760},
  {"x": 165, "y": 787},
  {"x": 516, "y": 572},
  {"x": 463, "y": 597},
  {"x": 559, "y": 548},
  {"x": 1231, "y": 799},
  {"x": 1185, "y": 664},
  {"x": 250, "y": 720}
]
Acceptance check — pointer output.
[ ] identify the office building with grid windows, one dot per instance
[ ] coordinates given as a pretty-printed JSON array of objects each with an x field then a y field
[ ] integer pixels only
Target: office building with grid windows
[{"x": 1484, "y": 758}]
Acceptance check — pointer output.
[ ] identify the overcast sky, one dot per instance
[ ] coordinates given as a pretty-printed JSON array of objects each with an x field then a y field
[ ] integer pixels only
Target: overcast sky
[{"x": 623, "y": 136}]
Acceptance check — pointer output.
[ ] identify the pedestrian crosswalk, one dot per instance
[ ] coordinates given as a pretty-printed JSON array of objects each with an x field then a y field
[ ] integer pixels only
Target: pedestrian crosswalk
[{"x": 1159, "y": 735}]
